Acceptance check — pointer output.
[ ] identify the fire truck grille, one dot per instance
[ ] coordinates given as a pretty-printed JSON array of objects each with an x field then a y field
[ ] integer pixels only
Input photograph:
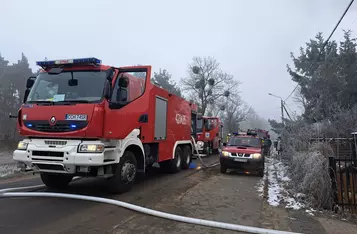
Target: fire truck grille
[
  {"x": 60, "y": 126},
  {"x": 49, "y": 167},
  {"x": 47, "y": 156},
  {"x": 47, "y": 153}
]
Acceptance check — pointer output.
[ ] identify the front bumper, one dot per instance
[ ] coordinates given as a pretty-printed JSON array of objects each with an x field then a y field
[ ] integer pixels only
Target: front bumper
[
  {"x": 242, "y": 163},
  {"x": 46, "y": 155}
]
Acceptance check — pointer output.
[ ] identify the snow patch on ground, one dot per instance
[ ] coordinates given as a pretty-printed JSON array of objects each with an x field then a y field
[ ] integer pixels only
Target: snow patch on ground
[
  {"x": 8, "y": 169},
  {"x": 7, "y": 165},
  {"x": 260, "y": 187},
  {"x": 261, "y": 184},
  {"x": 278, "y": 181},
  {"x": 274, "y": 187}
]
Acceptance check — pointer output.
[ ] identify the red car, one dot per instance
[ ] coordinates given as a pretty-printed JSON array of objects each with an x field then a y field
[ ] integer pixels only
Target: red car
[{"x": 243, "y": 152}]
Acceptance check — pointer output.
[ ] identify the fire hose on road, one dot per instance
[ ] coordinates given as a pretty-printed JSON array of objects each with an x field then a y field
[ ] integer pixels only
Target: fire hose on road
[
  {"x": 11, "y": 192},
  {"x": 199, "y": 155},
  {"x": 4, "y": 193}
]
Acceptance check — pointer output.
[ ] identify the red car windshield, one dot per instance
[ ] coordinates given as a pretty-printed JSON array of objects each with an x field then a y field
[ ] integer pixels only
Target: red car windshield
[{"x": 244, "y": 141}]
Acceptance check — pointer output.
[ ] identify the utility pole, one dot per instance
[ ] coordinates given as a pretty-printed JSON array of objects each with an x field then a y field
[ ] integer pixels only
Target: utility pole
[{"x": 282, "y": 110}]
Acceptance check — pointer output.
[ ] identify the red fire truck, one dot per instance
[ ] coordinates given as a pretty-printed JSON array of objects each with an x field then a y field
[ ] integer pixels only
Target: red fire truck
[
  {"x": 82, "y": 118},
  {"x": 209, "y": 135}
]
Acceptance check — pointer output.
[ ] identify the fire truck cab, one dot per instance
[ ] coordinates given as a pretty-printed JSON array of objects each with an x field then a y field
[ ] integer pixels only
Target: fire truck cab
[
  {"x": 82, "y": 118},
  {"x": 209, "y": 135}
]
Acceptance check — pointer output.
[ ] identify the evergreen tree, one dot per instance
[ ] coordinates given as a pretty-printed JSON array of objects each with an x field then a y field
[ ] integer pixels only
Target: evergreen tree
[
  {"x": 327, "y": 76},
  {"x": 163, "y": 78}
]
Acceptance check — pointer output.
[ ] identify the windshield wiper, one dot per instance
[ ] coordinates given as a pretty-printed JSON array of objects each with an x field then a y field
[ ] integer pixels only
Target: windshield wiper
[
  {"x": 78, "y": 101},
  {"x": 71, "y": 102},
  {"x": 246, "y": 145},
  {"x": 41, "y": 102}
]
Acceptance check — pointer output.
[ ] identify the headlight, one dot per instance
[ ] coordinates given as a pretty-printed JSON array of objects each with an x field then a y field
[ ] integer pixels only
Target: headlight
[
  {"x": 225, "y": 153},
  {"x": 91, "y": 148},
  {"x": 22, "y": 145},
  {"x": 200, "y": 143},
  {"x": 256, "y": 156}
]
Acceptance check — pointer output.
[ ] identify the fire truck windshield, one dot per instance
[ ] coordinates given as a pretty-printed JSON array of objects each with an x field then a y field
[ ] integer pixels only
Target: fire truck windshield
[
  {"x": 88, "y": 87},
  {"x": 244, "y": 141},
  {"x": 199, "y": 125}
]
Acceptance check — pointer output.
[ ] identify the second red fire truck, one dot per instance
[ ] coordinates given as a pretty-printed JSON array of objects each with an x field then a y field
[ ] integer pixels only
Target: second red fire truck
[
  {"x": 82, "y": 118},
  {"x": 209, "y": 135}
]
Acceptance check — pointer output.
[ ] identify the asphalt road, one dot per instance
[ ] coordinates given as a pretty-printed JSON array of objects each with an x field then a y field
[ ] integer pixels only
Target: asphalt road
[{"x": 56, "y": 215}]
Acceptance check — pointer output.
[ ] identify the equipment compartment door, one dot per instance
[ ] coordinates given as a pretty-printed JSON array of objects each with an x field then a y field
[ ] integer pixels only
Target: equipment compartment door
[{"x": 160, "y": 118}]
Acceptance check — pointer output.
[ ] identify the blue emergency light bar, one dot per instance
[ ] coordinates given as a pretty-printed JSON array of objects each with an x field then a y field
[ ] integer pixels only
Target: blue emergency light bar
[{"x": 69, "y": 61}]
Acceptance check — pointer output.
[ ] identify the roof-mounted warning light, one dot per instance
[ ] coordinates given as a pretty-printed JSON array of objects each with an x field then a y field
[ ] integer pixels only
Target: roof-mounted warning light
[
  {"x": 252, "y": 132},
  {"x": 83, "y": 61}
]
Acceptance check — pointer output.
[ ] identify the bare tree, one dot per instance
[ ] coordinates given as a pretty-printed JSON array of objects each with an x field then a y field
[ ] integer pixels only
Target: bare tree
[
  {"x": 206, "y": 82},
  {"x": 300, "y": 99}
]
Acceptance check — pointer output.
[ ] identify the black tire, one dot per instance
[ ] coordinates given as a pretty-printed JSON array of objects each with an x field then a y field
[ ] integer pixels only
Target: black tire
[
  {"x": 261, "y": 172},
  {"x": 173, "y": 165},
  {"x": 125, "y": 174},
  {"x": 223, "y": 169},
  {"x": 187, "y": 157},
  {"x": 56, "y": 181}
]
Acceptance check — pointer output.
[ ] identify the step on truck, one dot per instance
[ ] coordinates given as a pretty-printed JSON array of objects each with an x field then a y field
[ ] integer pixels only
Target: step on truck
[
  {"x": 82, "y": 118},
  {"x": 209, "y": 135}
]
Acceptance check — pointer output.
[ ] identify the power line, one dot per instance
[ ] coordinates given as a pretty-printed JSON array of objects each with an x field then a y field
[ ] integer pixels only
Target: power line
[{"x": 324, "y": 45}]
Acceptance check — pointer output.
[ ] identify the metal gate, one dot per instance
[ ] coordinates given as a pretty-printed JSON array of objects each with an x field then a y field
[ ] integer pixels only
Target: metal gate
[{"x": 344, "y": 174}]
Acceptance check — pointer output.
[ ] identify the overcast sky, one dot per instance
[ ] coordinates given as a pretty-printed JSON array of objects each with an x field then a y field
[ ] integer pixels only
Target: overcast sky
[{"x": 251, "y": 39}]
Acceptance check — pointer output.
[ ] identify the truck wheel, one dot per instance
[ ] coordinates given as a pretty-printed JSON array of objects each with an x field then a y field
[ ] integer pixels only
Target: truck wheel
[
  {"x": 223, "y": 169},
  {"x": 187, "y": 157},
  {"x": 173, "y": 165},
  {"x": 125, "y": 174},
  {"x": 56, "y": 181}
]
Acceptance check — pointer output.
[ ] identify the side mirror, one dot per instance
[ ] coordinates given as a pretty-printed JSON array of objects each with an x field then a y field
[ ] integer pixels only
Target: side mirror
[
  {"x": 30, "y": 82},
  {"x": 26, "y": 94},
  {"x": 224, "y": 144},
  {"x": 123, "y": 82},
  {"x": 110, "y": 74},
  {"x": 107, "y": 90}
]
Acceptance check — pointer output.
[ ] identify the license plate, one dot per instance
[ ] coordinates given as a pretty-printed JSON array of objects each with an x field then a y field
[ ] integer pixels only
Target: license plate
[
  {"x": 240, "y": 160},
  {"x": 75, "y": 117}
]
